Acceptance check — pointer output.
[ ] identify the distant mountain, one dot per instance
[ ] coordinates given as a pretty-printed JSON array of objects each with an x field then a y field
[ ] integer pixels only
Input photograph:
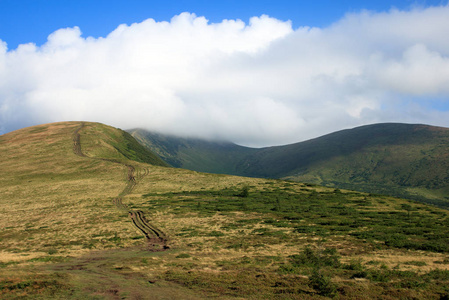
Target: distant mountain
[
  {"x": 407, "y": 160},
  {"x": 194, "y": 154}
]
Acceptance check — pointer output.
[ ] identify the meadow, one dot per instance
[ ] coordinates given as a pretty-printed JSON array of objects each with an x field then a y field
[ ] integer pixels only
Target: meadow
[{"x": 64, "y": 236}]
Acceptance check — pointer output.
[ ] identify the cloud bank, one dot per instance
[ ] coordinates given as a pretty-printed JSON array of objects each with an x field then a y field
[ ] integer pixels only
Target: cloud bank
[{"x": 260, "y": 83}]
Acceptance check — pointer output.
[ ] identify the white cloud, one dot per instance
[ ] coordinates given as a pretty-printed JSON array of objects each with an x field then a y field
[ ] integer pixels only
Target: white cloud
[
  {"x": 260, "y": 83},
  {"x": 418, "y": 72}
]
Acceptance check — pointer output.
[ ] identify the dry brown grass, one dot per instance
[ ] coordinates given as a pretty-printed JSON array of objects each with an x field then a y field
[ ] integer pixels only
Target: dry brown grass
[
  {"x": 51, "y": 196},
  {"x": 416, "y": 261}
]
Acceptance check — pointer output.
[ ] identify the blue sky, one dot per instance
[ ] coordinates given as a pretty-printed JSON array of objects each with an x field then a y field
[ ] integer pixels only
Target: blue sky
[
  {"x": 257, "y": 73},
  {"x": 25, "y": 21}
]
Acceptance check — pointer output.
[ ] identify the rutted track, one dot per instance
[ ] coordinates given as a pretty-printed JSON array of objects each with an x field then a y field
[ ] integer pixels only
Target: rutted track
[{"x": 156, "y": 238}]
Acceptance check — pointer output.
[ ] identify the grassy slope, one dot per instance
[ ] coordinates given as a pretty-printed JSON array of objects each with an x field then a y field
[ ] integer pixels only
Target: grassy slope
[
  {"x": 397, "y": 159},
  {"x": 52, "y": 191},
  {"x": 105, "y": 141},
  {"x": 62, "y": 237}
]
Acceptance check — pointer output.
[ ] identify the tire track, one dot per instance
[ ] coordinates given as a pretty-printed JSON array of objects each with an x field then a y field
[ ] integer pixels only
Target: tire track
[
  {"x": 77, "y": 141},
  {"x": 156, "y": 238}
]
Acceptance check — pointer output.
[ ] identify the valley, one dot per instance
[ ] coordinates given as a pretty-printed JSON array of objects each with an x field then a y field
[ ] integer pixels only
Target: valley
[{"x": 404, "y": 160}]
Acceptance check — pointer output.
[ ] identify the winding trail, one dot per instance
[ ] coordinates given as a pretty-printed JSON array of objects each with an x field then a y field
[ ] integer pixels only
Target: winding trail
[{"x": 156, "y": 238}]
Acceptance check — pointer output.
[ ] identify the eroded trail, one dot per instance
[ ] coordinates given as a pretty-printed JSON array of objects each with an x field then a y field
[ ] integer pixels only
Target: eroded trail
[{"x": 156, "y": 238}]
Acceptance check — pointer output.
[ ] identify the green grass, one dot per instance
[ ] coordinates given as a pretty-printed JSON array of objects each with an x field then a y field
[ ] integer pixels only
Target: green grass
[
  {"x": 229, "y": 237},
  {"x": 402, "y": 160},
  {"x": 322, "y": 213}
]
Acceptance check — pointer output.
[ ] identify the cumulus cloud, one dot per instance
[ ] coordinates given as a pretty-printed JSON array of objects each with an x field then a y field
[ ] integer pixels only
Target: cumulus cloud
[{"x": 261, "y": 83}]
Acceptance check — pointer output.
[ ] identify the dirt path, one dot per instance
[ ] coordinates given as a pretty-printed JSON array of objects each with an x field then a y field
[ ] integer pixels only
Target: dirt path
[{"x": 156, "y": 238}]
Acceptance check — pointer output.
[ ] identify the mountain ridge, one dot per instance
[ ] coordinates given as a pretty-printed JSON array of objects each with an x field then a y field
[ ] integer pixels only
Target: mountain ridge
[{"x": 407, "y": 160}]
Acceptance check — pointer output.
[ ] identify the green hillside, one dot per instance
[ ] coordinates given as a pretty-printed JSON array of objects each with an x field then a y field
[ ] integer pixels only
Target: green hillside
[
  {"x": 118, "y": 144},
  {"x": 194, "y": 154},
  {"x": 397, "y": 159},
  {"x": 82, "y": 218}
]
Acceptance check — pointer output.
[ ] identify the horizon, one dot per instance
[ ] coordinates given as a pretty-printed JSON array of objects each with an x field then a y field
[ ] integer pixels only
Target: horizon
[
  {"x": 217, "y": 140},
  {"x": 279, "y": 145},
  {"x": 257, "y": 74}
]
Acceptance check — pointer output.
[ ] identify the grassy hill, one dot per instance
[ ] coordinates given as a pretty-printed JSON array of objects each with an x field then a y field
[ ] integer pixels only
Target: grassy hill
[
  {"x": 81, "y": 214},
  {"x": 397, "y": 159}
]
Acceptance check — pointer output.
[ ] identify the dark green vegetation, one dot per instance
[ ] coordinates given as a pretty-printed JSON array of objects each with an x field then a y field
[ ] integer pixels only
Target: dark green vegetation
[
  {"x": 66, "y": 232},
  {"x": 194, "y": 154},
  {"x": 132, "y": 150},
  {"x": 373, "y": 219},
  {"x": 332, "y": 232},
  {"x": 403, "y": 160}
]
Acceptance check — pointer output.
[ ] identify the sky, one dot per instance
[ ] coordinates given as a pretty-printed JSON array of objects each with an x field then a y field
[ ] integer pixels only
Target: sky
[{"x": 257, "y": 73}]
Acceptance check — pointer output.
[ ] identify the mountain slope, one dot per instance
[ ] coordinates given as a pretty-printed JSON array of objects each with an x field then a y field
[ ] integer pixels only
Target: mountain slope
[
  {"x": 399, "y": 159},
  {"x": 405, "y": 160},
  {"x": 72, "y": 207},
  {"x": 194, "y": 154},
  {"x": 115, "y": 143}
]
